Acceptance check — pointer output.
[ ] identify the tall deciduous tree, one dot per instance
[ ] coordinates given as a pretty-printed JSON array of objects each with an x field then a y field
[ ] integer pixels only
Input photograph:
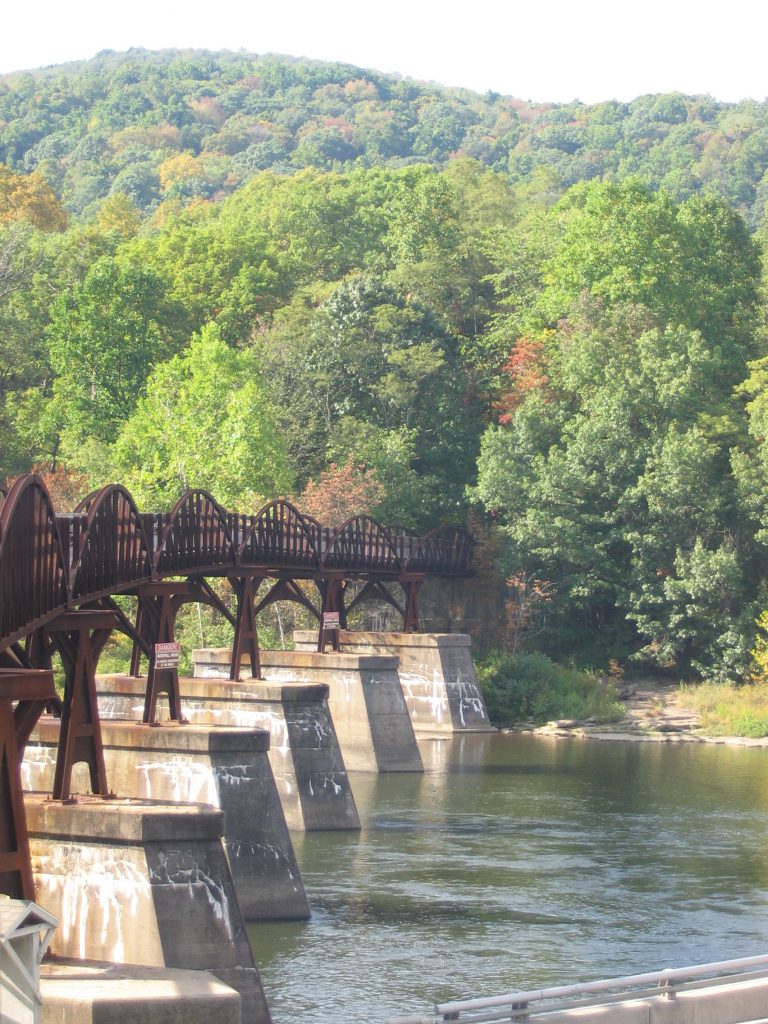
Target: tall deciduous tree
[
  {"x": 206, "y": 421},
  {"x": 340, "y": 492},
  {"x": 104, "y": 338},
  {"x": 369, "y": 359},
  {"x": 29, "y": 198}
]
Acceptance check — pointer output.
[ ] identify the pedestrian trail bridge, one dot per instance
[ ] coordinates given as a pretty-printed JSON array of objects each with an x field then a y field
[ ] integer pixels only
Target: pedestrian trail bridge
[{"x": 61, "y": 571}]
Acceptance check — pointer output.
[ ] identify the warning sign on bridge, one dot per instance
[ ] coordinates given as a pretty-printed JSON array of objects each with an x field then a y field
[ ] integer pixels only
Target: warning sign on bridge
[
  {"x": 330, "y": 620},
  {"x": 167, "y": 655}
]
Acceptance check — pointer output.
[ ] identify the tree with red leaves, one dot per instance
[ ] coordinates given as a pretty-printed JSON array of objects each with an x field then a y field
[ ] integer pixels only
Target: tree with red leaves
[
  {"x": 525, "y": 370},
  {"x": 342, "y": 491}
]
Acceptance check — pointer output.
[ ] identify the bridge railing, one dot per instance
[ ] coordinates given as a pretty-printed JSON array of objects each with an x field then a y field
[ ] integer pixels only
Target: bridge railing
[
  {"x": 361, "y": 544},
  {"x": 105, "y": 544},
  {"x": 280, "y": 535},
  {"x": 195, "y": 536},
  {"x": 71, "y": 526},
  {"x": 666, "y": 984},
  {"x": 446, "y": 550},
  {"x": 239, "y": 523},
  {"x": 154, "y": 523}
]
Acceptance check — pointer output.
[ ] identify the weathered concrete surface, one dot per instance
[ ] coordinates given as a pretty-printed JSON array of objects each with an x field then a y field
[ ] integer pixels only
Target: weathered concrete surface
[
  {"x": 436, "y": 672},
  {"x": 365, "y": 697},
  {"x": 139, "y": 883},
  {"x": 93, "y": 992},
  {"x": 718, "y": 1004},
  {"x": 304, "y": 751},
  {"x": 228, "y": 769}
]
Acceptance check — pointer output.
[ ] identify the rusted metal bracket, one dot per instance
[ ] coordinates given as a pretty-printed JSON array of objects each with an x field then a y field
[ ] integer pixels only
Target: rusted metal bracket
[
  {"x": 411, "y": 584},
  {"x": 159, "y": 605},
  {"x": 331, "y": 588},
  {"x": 246, "y": 640}
]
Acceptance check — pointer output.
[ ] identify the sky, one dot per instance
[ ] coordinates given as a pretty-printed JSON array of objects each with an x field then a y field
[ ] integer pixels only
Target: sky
[{"x": 562, "y": 50}]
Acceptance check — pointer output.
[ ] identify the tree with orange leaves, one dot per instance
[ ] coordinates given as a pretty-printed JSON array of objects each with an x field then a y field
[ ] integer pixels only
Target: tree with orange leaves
[
  {"x": 525, "y": 372},
  {"x": 342, "y": 491},
  {"x": 29, "y": 197}
]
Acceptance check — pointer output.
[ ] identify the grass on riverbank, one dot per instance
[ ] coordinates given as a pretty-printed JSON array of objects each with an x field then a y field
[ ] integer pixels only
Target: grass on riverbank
[
  {"x": 727, "y": 710},
  {"x": 531, "y": 687}
]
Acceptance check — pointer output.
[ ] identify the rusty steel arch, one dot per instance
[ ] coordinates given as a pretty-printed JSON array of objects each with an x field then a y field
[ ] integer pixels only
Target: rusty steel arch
[
  {"x": 361, "y": 544},
  {"x": 279, "y": 536},
  {"x": 85, "y": 503},
  {"x": 111, "y": 549},
  {"x": 33, "y": 569},
  {"x": 195, "y": 536}
]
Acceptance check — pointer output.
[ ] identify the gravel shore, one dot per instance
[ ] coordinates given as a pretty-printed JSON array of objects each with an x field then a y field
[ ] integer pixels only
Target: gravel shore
[{"x": 656, "y": 713}]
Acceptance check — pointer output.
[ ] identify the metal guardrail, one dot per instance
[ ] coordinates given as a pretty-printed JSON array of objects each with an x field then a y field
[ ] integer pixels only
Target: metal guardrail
[{"x": 526, "y": 1005}]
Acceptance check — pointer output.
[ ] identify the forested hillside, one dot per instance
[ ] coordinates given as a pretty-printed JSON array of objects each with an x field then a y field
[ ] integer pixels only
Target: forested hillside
[
  {"x": 259, "y": 275},
  {"x": 182, "y": 124}
]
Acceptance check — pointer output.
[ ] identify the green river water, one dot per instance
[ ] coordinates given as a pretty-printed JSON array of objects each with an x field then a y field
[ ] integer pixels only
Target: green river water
[{"x": 517, "y": 861}]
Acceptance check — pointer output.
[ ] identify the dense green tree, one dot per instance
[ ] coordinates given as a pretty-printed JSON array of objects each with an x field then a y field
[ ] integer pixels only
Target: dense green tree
[
  {"x": 24, "y": 274},
  {"x": 104, "y": 338},
  {"x": 207, "y": 421},
  {"x": 139, "y": 182},
  {"x": 691, "y": 263},
  {"x": 369, "y": 370}
]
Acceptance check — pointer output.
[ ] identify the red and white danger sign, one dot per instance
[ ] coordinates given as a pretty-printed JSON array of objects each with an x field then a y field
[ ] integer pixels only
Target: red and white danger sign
[{"x": 167, "y": 655}]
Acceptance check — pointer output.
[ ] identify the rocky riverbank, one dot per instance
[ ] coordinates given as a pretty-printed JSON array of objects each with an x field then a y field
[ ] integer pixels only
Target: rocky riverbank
[{"x": 654, "y": 713}]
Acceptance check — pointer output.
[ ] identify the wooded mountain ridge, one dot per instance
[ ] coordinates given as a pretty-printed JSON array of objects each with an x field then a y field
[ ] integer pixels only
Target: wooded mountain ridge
[{"x": 186, "y": 124}]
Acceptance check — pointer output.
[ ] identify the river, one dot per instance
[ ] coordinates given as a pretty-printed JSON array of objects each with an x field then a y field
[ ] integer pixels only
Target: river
[{"x": 518, "y": 861}]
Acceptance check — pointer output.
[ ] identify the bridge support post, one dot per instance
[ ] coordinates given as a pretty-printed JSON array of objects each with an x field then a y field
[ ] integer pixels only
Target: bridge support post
[
  {"x": 159, "y": 605},
  {"x": 332, "y": 591},
  {"x": 33, "y": 689},
  {"x": 246, "y": 640},
  {"x": 137, "y": 650},
  {"x": 411, "y": 588},
  {"x": 79, "y": 637}
]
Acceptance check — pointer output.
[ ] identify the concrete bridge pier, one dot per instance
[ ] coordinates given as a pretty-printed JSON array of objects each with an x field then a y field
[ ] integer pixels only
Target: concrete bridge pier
[
  {"x": 365, "y": 698},
  {"x": 304, "y": 752},
  {"x": 136, "y": 883},
  {"x": 436, "y": 672},
  {"x": 223, "y": 768}
]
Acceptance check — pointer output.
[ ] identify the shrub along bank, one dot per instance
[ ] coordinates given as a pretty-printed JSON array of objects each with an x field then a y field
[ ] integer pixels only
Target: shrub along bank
[{"x": 531, "y": 687}]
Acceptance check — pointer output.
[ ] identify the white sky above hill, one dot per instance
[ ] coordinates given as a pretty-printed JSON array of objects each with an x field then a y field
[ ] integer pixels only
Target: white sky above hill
[{"x": 559, "y": 50}]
